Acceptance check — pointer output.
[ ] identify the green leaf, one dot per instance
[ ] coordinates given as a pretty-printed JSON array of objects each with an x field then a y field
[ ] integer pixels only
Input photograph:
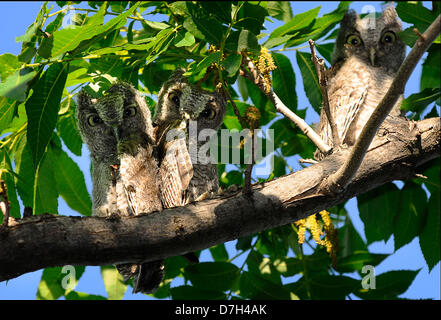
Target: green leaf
[
  {"x": 408, "y": 36},
  {"x": 69, "y": 38},
  {"x": 221, "y": 10},
  {"x": 357, "y": 260},
  {"x": 45, "y": 48},
  {"x": 232, "y": 64},
  {"x": 45, "y": 197},
  {"x": 216, "y": 276},
  {"x": 298, "y": 22},
  {"x": 118, "y": 6},
  {"x": 430, "y": 236},
  {"x": 280, "y": 10},
  {"x": 194, "y": 293},
  {"x": 102, "y": 31},
  {"x": 113, "y": 281},
  {"x": 233, "y": 177},
  {"x": 251, "y": 17},
  {"x": 417, "y": 102},
  {"x": 173, "y": 267},
  {"x": 321, "y": 26},
  {"x": 377, "y": 211},
  {"x": 219, "y": 253},
  {"x": 415, "y": 13},
  {"x": 242, "y": 85},
  {"x": 75, "y": 295},
  {"x": 42, "y": 109},
  {"x": 284, "y": 81},
  {"x": 6, "y": 174},
  {"x": 349, "y": 240},
  {"x": 325, "y": 50},
  {"x": 431, "y": 67},
  {"x": 254, "y": 287},
  {"x": 68, "y": 131},
  {"x": 389, "y": 285},
  {"x": 263, "y": 267},
  {"x": 35, "y": 26},
  {"x": 8, "y": 64},
  {"x": 7, "y": 111},
  {"x": 247, "y": 42},
  {"x": 205, "y": 63},
  {"x": 55, "y": 281},
  {"x": 202, "y": 26},
  {"x": 411, "y": 215},
  {"x": 324, "y": 287},
  {"x": 25, "y": 170},
  {"x": 274, "y": 42},
  {"x": 16, "y": 85},
  {"x": 70, "y": 182},
  {"x": 310, "y": 80},
  {"x": 433, "y": 173},
  {"x": 184, "y": 39}
]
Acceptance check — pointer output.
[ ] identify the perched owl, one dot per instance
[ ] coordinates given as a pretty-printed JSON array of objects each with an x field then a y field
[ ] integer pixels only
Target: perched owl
[
  {"x": 118, "y": 131},
  {"x": 366, "y": 57},
  {"x": 183, "y": 177}
]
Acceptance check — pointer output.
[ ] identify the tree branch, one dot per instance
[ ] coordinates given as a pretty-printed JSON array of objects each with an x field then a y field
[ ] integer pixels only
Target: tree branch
[
  {"x": 323, "y": 82},
  {"x": 48, "y": 240},
  {"x": 340, "y": 179},
  {"x": 254, "y": 76}
]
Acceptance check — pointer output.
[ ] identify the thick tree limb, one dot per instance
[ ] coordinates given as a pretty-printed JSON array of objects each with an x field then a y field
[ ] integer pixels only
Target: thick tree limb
[
  {"x": 339, "y": 180},
  {"x": 45, "y": 241}
]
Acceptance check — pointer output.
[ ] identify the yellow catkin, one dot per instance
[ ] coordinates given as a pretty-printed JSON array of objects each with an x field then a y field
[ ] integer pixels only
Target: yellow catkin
[
  {"x": 331, "y": 240},
  {"x": 314, "y": 228},
  {"x": 265, "y": 65},
  {"x": 301, "y": 224}
]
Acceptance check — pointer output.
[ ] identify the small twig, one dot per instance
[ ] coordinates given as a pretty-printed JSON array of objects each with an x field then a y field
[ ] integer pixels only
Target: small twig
[
  {"x": 323, "y": 82},
  {"x": 235, "y": 109},
  {"x": 340, "y": 179},
  {"x": 4, "y": 205},
  {"x": 419, "y": 175},
  {"x": 415, "y": 30},
  {"x": 253, "y": 75},
  {"x": 314, "y": 57},
  {"x": 310, "y": 161}
]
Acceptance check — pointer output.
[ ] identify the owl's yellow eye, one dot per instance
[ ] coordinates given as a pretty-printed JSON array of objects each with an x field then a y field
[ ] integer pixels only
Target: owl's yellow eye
[
  {"x": 354, "y": 40},
  {"x": 388, "y": 37},
  {"x": 94, "y": 120},
  {"x": 208, "y": 113},
  {"x": 173, "y": 96},
  {"x": 129, "y": 112}
]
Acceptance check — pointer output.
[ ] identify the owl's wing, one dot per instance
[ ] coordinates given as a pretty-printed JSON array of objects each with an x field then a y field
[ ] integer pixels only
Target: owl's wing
[
  {"x": 345, "y": 102},
  {"x": 175, "y": 173}
]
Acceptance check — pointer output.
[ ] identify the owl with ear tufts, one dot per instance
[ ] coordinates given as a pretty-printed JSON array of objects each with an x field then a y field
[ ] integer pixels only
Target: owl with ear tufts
[
  {"x": 366, "y": 57},
  {"x": 182, "y": 106},
  {"x": 117, "y": 128}
]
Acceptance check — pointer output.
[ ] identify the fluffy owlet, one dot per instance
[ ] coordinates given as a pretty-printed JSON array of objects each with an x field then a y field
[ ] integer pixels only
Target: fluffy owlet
[
  {"x": 186, "y": 110},
  {"x": 366, "y": 57},
  {"x": 118, "y": 131}
]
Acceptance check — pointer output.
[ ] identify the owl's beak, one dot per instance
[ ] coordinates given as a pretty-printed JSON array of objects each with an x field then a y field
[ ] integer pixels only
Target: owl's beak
[{"x": 372, "y": 56}]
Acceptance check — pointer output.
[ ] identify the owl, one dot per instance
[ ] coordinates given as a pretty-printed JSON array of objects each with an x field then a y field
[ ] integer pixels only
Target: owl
[
  {"x": 180, "y": 106},
  {"x": 117, "y": 128},
  {"x": 366, "y": 57}
]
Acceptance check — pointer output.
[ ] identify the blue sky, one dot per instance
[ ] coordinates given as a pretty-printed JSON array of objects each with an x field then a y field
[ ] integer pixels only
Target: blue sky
[{"x": 15, "y": 17}]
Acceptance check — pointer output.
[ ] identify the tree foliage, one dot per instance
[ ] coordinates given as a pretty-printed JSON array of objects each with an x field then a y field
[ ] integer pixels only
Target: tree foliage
[{"x": 124, "y": 40}]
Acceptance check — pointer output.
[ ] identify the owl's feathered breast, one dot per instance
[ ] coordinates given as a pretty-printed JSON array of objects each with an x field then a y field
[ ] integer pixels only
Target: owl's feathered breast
[{"x": 354, "y": 92}]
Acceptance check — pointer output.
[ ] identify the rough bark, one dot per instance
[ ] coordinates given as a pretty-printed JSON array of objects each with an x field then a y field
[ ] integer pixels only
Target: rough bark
[{"x": 43, "y": 241}]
